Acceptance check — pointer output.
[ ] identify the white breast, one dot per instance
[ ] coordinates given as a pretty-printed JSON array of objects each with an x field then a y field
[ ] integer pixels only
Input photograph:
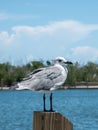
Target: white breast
[{"x": 64, "y": 71}]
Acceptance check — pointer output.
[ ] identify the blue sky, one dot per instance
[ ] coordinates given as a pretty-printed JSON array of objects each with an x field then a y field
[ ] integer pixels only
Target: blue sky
[{"x": 33, "y": 30}]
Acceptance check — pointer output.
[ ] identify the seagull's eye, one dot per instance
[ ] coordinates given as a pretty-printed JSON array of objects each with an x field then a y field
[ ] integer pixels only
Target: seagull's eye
[{"x": 60, "y": 60}]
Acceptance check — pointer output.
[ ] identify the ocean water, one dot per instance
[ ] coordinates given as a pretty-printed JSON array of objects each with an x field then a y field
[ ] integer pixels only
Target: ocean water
[{"x": 79, "y": 106}]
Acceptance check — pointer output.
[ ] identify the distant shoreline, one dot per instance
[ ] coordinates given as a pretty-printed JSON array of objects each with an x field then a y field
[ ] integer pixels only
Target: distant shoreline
[
  {"x": 5, "y": 88},
  {"x": 82, "y": 87},
  {"x": 66, "y": 87}
]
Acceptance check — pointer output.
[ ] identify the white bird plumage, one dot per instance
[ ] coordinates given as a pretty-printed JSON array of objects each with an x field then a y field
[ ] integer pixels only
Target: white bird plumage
[{"x": 46, "y": 79}]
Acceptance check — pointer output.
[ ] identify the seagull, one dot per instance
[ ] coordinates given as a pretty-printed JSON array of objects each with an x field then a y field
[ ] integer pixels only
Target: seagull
[{"x": 46, "y": 79}]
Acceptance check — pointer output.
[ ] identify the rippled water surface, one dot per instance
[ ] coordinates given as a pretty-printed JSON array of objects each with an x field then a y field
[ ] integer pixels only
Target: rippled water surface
[{"x": 79, "y": 106}]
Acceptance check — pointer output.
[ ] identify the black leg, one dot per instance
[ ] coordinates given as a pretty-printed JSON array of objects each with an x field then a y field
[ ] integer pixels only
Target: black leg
[
  {"x": 44, "y": 101},
  {"x": 51, "y": 109}
]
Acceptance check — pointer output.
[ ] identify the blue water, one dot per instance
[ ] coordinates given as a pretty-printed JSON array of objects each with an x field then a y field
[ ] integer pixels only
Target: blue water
[{"x": 79, "y": 106}]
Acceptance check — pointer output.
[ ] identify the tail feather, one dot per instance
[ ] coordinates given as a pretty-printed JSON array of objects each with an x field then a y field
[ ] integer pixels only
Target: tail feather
[{"x": 21, "y": 87}]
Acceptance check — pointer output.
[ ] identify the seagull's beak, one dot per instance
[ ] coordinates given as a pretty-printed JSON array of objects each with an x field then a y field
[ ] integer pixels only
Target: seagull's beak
[{"x": 68, "y": 62}]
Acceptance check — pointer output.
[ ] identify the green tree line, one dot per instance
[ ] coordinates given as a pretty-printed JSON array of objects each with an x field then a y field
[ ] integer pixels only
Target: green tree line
[{"x": 78, "y": 74}]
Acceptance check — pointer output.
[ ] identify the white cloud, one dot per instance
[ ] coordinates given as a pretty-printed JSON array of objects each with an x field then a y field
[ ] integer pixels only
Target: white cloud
[
  {"x": 84, "y": 54},
  {"x": 5, "y": 38},
  {"x": 70, "y": 31},
  {"x": 47, "y": 41}
]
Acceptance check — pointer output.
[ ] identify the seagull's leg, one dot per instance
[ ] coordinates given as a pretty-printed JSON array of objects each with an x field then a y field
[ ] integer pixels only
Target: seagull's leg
[
  {"x": 44, "y": 101},
  {"x": 51, "y": 109}
]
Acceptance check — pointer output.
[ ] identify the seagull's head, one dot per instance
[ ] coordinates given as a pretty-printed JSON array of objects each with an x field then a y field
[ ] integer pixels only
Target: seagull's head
[{"x": 62, "y": 60}]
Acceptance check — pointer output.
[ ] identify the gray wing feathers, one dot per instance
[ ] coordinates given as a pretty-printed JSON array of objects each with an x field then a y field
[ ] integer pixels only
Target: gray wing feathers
[{"x": 43, "y": 79}]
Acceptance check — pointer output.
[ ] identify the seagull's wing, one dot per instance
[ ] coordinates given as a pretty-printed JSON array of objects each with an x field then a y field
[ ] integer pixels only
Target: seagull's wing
[
  {"x": 47, "y": 78},
  {"x": 29, "y": 76},
  {"x": 46, "y": 73},
  {"x": 36, "y": 71},
  {"x": 43, "y": 79}
]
